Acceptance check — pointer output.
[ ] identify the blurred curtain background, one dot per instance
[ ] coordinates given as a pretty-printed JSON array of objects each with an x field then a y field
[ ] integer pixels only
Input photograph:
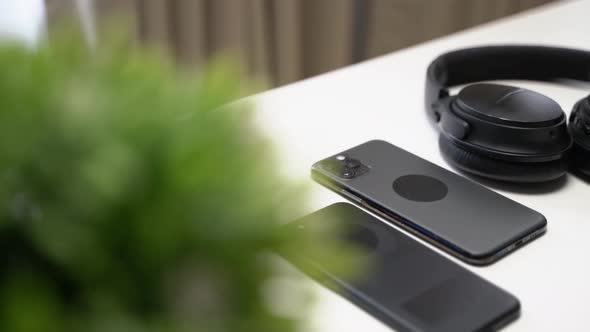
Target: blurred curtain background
[{"x": 288, "y": 40}]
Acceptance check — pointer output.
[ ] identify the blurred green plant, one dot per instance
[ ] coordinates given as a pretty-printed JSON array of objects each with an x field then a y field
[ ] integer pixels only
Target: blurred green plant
[{"x": 130, "y": 201}]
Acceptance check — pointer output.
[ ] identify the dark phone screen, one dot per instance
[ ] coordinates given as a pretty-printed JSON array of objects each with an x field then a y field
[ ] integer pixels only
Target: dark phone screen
[{"x": 404, "y": 283}]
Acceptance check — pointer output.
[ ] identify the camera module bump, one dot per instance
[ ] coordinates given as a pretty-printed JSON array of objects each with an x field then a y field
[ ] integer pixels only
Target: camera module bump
[{"x": 344, "y": 167}]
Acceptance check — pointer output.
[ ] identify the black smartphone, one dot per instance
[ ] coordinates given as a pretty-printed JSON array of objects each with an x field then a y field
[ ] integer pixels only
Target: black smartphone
[
  {"x": 449, "y": 211},
  {"x": 406, "y": 285}
]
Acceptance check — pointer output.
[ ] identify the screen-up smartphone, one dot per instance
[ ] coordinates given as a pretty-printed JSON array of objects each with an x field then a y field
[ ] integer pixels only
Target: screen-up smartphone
[
  {"x": 449, "y": 211},
  {"x": 406, "y": 285}
]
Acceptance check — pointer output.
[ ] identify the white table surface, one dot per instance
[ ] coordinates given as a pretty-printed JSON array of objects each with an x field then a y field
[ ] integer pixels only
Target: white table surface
[
  {"x": 383, "y": 98},
  {"x": 22, "y": 20}
]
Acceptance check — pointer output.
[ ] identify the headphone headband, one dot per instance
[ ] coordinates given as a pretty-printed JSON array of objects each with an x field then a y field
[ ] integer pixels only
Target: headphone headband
[{"x": 538, "y": 63}]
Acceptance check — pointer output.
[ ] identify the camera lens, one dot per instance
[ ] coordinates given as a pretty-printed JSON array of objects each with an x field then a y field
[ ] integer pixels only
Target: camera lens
[
  {"x": 348, "y": 173},
  {"x": 352, "y": 163}
]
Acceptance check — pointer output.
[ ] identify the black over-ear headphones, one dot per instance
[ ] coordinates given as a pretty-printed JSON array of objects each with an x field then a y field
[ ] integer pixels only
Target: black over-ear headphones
[{"x": 505, "y": 132}]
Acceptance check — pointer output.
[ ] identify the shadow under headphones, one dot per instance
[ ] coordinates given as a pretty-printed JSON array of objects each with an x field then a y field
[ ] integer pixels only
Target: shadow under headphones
[{"x": 504, "y": 132}]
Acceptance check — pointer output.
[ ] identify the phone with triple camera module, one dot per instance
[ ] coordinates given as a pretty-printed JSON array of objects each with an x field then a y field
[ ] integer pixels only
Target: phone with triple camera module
[
  {"x": 404, "y": 284},
  {"x": 447, "y": 210}
]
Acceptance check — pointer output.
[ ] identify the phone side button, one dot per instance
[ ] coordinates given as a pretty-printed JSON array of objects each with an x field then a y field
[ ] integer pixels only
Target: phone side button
[{"x": 350, "y": 195}]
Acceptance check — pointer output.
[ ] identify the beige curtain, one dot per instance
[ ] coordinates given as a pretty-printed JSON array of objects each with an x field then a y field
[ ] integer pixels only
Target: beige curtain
[{"x": 287, "y": 40}]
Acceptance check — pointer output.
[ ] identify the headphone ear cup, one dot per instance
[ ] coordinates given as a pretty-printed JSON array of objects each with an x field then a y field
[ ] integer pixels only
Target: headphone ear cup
[
  {"x": 497, "y": 169},
  {"x": 579, "y": 127},
  {"x": 580, "y": 159}
]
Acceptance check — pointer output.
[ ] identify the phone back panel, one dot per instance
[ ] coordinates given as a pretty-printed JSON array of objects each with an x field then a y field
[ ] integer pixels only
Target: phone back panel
[
  {"x": 405, "y": 284},
  {"x": 470, "y": 217}
]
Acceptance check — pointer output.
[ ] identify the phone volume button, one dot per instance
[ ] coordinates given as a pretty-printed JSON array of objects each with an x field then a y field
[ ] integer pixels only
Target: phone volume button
[{"x": 351, "y": 196}]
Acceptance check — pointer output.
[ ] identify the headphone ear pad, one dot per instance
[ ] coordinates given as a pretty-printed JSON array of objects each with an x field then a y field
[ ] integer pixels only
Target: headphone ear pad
[{"x": 496, "y": 169}]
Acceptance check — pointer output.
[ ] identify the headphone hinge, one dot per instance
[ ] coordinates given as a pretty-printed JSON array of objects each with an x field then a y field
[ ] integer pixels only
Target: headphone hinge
[{"x": 450, "y": 123}]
